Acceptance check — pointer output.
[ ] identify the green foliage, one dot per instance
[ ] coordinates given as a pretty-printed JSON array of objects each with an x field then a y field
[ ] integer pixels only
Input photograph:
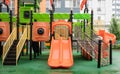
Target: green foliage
[{"x": 114, "y": 28}]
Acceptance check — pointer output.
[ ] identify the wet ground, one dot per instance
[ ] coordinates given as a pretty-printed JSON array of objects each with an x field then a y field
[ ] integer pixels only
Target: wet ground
[{"x": 81, "y": 66}]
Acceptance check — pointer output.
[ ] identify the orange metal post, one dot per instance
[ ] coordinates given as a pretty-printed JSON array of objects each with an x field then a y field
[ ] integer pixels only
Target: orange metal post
[
  {"x": 43, "y": 6},
  {"x": 15, "y": 3}
]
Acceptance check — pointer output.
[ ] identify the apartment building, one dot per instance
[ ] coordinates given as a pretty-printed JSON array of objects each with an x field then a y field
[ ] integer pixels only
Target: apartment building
[
  {"x": 116, "y": 8},
  {"x": 102, "y": 12}
]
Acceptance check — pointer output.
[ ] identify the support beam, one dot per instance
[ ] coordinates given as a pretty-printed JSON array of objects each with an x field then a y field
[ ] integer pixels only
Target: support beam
[
  {"x": 99, "y": 54},
  {"x": 110, "y": 52},
  {"x": 18, "y": 19},
  {"x": 15, "y": 5},
  {"x": 11, "y": 21},
  {"x": 31, "y": 23},
  {"x": 43, "y": 6},
  {"x": 91, "y": 23}
]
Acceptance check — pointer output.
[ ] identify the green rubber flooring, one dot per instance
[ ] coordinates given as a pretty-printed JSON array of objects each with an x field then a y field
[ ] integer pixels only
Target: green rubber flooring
[{"x": 81, "y": 66}]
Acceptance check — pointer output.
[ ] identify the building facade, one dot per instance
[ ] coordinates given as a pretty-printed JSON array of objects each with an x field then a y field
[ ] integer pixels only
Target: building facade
[
  {"x": 102, "y": 9},
  {"x": 116, "y": 8},
  {"x": 102, "y": 12}
]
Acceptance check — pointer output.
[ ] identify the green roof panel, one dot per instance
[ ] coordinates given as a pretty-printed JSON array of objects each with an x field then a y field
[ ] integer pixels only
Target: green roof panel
[
  {"x": 5, "y": 17},
  {"x": 61, "y": 16},
  {"x": 41, "y": 17},
  {"x": 82, "y": 16}
]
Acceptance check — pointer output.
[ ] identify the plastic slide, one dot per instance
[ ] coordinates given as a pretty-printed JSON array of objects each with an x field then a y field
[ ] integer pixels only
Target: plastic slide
[
  {"x": 60, "y": 53},
  {"x": 107, "y": 36}
]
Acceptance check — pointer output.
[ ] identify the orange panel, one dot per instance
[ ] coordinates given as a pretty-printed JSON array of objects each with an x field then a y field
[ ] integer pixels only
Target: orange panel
[
  {"x": 101, "y": 33},
  {"x": 43, "y": 29},
  {"x": 61, "y": 22},
  {"x": 4, "y": 26}
]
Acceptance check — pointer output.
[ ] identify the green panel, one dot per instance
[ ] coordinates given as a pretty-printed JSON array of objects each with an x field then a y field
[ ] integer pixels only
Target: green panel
[
  {"x": 5, "y": 17},
  {"x": 14, "y": 19},
  {"x": 22, "y": 19},
  {"x": 82, "y": 16},
  {"x": 61, "y": 16},
  {"x": 41, "y": 17}
]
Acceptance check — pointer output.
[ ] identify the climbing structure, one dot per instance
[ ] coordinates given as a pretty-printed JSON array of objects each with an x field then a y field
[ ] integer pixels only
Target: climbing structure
[
  {"x": 93, "y": 45},
  {"x": 57, "y": 28}
]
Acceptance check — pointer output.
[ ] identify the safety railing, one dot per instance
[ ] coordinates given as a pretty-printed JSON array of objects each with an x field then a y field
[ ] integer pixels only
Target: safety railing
[
  {"x": 8, "y": 43},
  {"x": 21, "y": 43},
  {"x": 93, "y": 45},
  {"x": 100, "y": 50},
  {"x": 104, "y": 54}
]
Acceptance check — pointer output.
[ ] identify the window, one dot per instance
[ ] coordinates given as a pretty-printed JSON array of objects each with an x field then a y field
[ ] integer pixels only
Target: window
[
  {"x": 99, "y": 9},
  {"x": 57, "y": 3},
  {"x": 99, "y": 18},
  {"x": 76, "y": 3},
  {"x": 47, "y": 4},
  {"x": 72, "y": 3},
  {"x": 68, "y": 4}
]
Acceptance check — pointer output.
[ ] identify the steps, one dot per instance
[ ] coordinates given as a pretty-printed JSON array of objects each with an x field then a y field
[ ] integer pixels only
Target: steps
[{"x": 11, "y": 56}]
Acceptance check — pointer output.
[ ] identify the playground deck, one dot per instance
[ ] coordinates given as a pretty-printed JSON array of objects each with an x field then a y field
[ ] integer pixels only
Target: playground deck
[{"x": 81, "y": 66}]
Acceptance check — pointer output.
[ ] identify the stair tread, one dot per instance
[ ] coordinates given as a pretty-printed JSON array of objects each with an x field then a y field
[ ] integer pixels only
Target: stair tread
[
  {"x": 9, "y": 63},
  {"x": 11, "y": 56}
]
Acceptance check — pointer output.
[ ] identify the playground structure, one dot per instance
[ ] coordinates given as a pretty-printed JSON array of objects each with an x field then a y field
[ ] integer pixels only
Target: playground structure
[{"x": 59, "y": 33}]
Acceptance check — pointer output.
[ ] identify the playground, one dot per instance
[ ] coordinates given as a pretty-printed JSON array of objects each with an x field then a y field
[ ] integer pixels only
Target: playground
[{"x": 53, "y": 43}]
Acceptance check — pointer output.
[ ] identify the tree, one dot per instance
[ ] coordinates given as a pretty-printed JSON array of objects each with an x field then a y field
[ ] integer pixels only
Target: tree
[{"x": 114, "y": 28}]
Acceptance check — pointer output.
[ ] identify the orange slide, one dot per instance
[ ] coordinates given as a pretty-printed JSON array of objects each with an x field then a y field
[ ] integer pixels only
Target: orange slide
[
  {"x": 60, "y": 53},
  {"x": 107, "y": 36}
]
